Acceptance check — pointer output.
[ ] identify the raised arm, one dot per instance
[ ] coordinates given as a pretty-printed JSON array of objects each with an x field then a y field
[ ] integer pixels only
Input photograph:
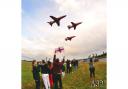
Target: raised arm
[
  {"x": 63, "y": 59},
  {"x": 54, "y": 57}
]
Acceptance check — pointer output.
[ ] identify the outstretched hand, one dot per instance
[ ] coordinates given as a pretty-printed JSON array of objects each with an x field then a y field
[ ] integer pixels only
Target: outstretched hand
[
  {"x": 63, "y": 58},
  {"x": 55, "y": 52}
]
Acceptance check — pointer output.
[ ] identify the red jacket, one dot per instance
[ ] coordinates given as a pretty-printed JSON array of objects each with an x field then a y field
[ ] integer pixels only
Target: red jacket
[{"x": 57, "y": 66}]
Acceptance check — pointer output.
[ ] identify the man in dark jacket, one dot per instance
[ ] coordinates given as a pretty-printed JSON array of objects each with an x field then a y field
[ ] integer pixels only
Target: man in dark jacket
[
  {"x": 68, "y": 66},
  {"x": 36, "y": 75},
  {"x": 57, "y": 72}
]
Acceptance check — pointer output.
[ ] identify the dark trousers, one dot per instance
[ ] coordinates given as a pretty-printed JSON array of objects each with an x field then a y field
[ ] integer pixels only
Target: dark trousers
[
  {"x": 57, "y": 80},
  {"x": 92, "y": 72},
  {"x": 75, "y": 68},
  {"x": 68, "y": 69},
  {"x": 37, "y": 84}
]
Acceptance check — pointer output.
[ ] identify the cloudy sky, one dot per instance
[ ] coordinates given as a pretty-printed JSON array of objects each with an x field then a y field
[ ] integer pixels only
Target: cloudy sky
[{"x": 39, "y": 39}]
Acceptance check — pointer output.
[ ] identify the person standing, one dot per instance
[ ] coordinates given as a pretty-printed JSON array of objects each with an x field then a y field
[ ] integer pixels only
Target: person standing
[
  {"x": 68, "y": 66},
  {"x": 36, "y": 74},
  {"x": 92, "y": 69},
  {"x": 57, "y": 72},
  {"x": 45, "y": 74},
  {"x": 77, "y": 64},
  {"x": 51, "y": 74},
  {"x": 74, "y": 65},
  {"x": 63, "y": 70}
]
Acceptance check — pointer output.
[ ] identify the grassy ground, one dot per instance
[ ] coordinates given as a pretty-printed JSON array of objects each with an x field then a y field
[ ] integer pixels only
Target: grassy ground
[{"x": 76, "y": 80}]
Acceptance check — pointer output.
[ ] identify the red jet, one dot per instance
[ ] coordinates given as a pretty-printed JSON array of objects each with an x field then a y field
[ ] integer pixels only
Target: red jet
[
  {"x": 56, "y": 20},
  {"x": 59, "y": 49},
  {"x": 73, "y": 25},
  {"x": 69, "y": 38}
]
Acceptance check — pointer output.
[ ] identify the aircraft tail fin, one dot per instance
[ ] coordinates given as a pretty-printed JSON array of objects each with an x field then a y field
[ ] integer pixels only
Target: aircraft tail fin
[
  {"x": 69, "y": 27},
  {"x": 50, "y": 23},
  {"x": 65, "y": 39}
]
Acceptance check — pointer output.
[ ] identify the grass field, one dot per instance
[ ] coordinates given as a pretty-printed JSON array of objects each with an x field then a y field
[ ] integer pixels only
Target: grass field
[{"x": 76, "y": 80}]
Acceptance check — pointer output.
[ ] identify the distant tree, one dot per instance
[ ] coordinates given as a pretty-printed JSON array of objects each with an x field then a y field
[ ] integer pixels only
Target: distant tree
[
  {"x": 89, "y": 56},
  {"x": 96, "y": 55},
  {"x": 93, "y": 55},
  {"x": 103, "y": 52}
]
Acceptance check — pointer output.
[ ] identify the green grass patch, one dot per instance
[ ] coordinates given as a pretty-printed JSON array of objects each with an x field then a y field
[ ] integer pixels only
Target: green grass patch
[{"x": 77, "y": 80}]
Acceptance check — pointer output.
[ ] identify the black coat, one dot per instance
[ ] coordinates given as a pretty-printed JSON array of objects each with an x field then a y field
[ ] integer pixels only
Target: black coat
[
  {"x": 36, "y": 74},
  {"x": 45, "y": 69}
]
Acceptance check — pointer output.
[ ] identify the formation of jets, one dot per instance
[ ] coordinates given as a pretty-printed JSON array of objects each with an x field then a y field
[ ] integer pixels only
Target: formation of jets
[
  {"x": 59, "y": 49},
  {"x": 69, "y": 38},
  {"x": 57, "y": 21}
]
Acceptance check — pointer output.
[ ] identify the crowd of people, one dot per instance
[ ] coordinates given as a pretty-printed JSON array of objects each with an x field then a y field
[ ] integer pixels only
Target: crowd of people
[
  {"x": 71, "y": 65},
  {"x": 52, "y": 73}
]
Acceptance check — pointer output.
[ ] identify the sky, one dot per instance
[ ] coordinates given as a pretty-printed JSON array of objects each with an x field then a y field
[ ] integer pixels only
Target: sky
[{"x": 39, "y": 39}]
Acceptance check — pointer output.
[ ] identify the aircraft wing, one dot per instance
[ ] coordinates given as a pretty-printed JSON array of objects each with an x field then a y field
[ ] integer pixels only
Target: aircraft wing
[
  {"x": 72, "y": 23},
  {"x": 54, "y": 18},
  {"x": 74, "y": 27},
  {"x": 58, "y": 23}
]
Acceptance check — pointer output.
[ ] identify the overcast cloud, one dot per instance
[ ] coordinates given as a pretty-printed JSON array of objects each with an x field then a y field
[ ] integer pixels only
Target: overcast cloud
[{"x": 39, "y": 39}]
